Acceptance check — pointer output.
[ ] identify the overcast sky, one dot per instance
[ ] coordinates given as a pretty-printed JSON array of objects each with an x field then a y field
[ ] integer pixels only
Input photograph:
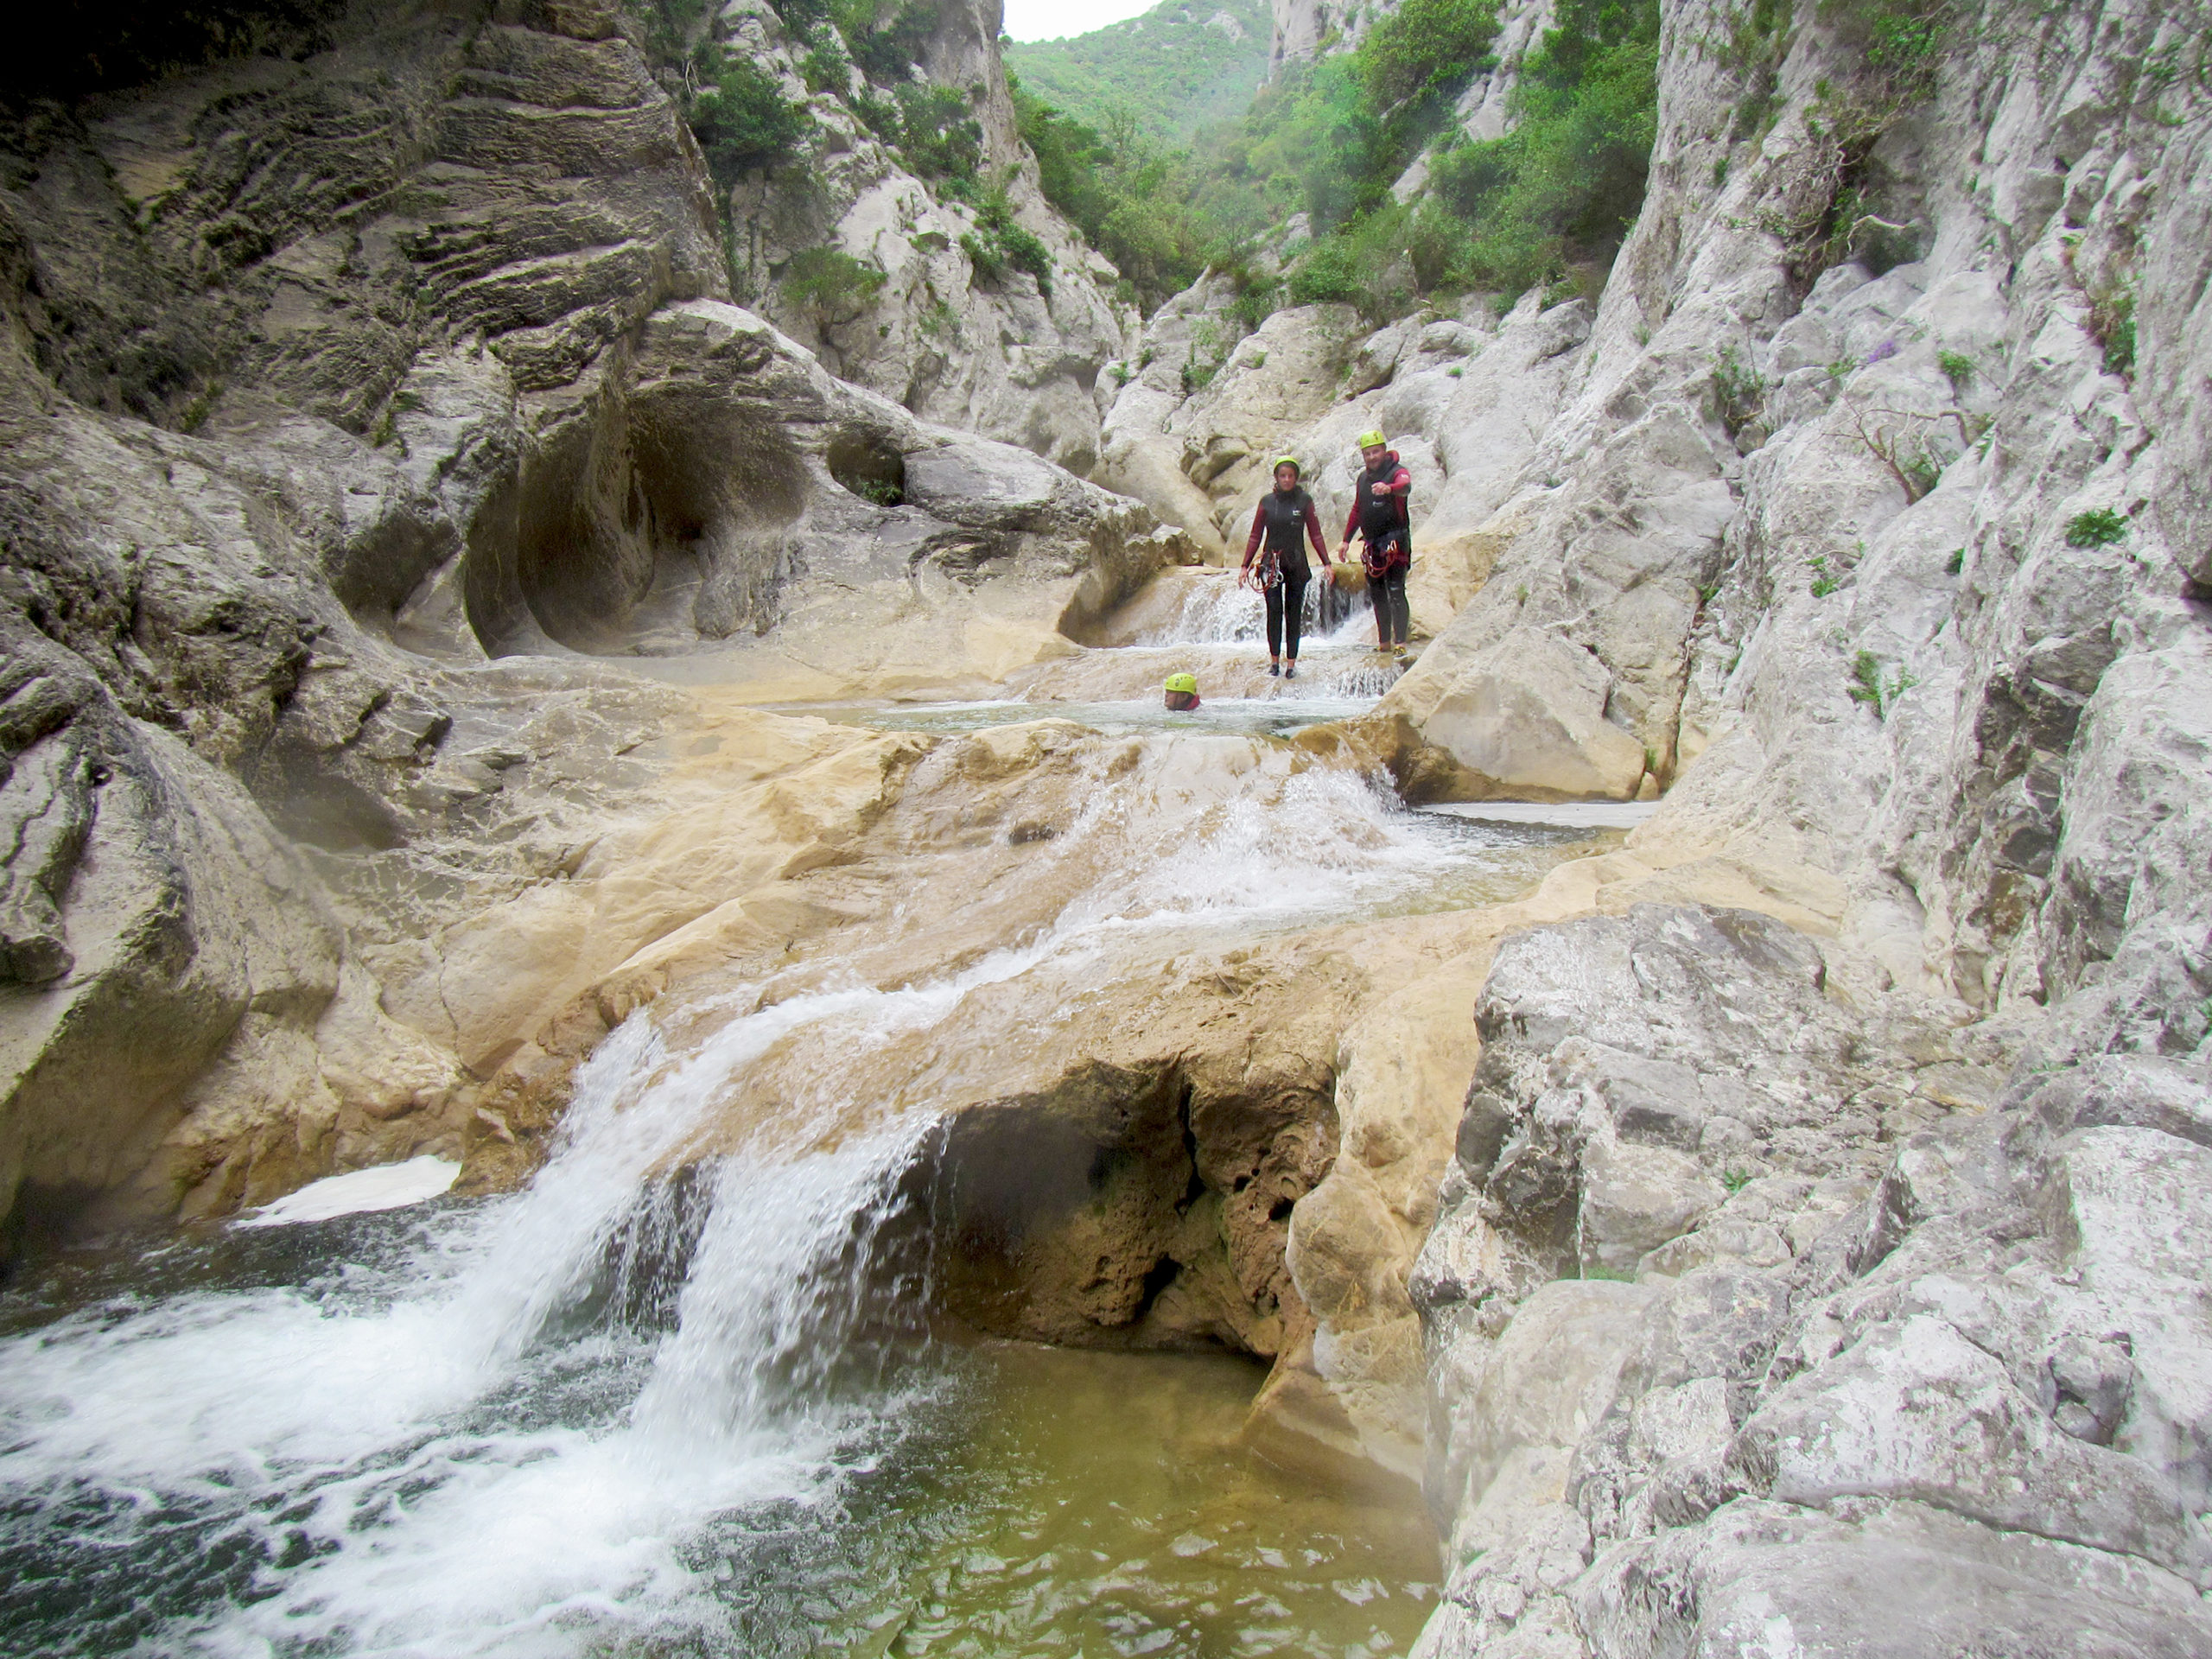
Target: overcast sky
[{"x": 1048, "y": 20}]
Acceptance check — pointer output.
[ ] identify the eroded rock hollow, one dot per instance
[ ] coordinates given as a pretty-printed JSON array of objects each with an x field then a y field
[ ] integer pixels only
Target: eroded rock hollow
[{"x": 510, "y": 656}]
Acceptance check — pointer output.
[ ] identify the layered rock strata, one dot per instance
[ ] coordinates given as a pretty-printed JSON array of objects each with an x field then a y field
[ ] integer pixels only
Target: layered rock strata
[
  {"x": 362, "y": 412},
  {"x": 1010, "y": 353},
  {"x": 1776, "y": 1267}
]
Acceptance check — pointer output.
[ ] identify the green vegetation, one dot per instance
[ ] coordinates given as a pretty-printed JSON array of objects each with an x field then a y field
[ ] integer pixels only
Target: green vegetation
[
  {"x": 2098, "y": 527},
  {"x": 2112, "y": 319},
  {"x": 998, "y": 244},
  {"x": 830, "y": 282},
  {"x": 1560, "y": 190},
  {"x": 1868, "y": 686},
  {"x": 741, "y": 118},
  {"x": 1738, "y": 391},
  {"x": 1132, "y": 201},
  {"x": 1737, "y": 1180},
  {"x": 1172, "y": 72},
  {"x": 1547, "y": 204},
  {"x": 935, "y": 128},
  {"x": 737, "y": 110},
  {"x": 1958, "y": 369},
  {"x": 1847, "y": 193},
  {"x": 1956, "y": 565},
  {"x": 1331, "y": 274},
  {"x": 1425, "y": 50},
  {"x": 1825, "y": 582}
]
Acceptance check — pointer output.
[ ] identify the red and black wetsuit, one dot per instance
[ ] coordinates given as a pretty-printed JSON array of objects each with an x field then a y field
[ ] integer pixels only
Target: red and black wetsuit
[
  {"x": 1384, "y": 523},
  {"x": 1277, "y": 522}
]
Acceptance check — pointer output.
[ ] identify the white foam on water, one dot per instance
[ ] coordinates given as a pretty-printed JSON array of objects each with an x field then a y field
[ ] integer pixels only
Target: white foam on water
[
  {"x": 397, "y": 1447},
  {"x": 389, "y": 1186},
  {"x": 1219, "y": 613}
]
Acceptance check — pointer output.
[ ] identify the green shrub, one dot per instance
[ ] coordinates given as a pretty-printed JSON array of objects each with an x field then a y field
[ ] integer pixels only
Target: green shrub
[
  {"x": 1256, "y": 297},
  {"x": 1825, "y": 582},
  {"x": 1958, "y": 368},
  {"x": 830, "y": 282},
  {"x": 1563, "y": 186},
  {"x": 826, "y": 68},
  {"x": 1130, "y": 202},
  {"x": 885, "y": 49},
  {"x": 742, "y": 118},
  {"x": 802, "y": 17},
  {"x": 2112, "y": 319},
  {"x": 2098, "y": 527},
  {"x": 1427, "y": 49},
  {"x": 999, "y": 243},
  {"x": 939, "y": 135},
  {"x": 1329, "y": 274},
  {"x": 1901, "y": 41},
  {"x": 1737, "y": 390},
  {"x": 1867, "y": 685}
]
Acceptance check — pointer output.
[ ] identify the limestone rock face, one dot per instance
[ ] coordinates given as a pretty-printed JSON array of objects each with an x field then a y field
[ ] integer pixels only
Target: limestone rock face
[
  {"x": 360, "y": 414},
  {"x": 1004, "y": 353},
  {"x": 1889, "y": 561},
  {"x": 1898, "y": 1361}
]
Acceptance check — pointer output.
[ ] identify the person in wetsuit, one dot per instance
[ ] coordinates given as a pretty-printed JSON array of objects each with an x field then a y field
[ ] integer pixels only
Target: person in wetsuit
[
  {"x": 1380, "y": 518},
  {"x": 1182, "y": 693},
  {"x": 1282, "y": 526}
]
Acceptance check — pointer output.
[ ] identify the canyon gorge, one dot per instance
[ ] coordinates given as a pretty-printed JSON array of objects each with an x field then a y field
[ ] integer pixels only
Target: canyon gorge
[{"x": 612, "y": 675}]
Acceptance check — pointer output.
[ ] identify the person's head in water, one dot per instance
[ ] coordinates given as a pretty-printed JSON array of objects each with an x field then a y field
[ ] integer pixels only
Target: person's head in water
[
  {"x": 1287, "y": 473},
  {"x": 1182, "y": 693},
  {"x": 1374, "y": 449}
]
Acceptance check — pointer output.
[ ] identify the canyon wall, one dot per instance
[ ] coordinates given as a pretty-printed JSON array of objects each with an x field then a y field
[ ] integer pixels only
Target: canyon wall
[
  {"x": 1777, "y": 1263},
  {"x": 373, "y": 415},
  {"x": 996, "y": 349}
]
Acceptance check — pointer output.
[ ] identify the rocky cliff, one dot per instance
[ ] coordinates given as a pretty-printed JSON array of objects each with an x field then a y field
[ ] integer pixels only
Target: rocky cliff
[
  {"x": 938, "y": 320},
  {"x": 367, "y": 410},
  {"x": 1778, "y": 1265},
  {"x": 1812, "y": 1264}
]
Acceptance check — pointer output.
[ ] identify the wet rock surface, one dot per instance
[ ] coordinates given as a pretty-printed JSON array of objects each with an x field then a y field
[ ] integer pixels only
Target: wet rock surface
[
  {"x": 1783, "y": 1231},
  {"x": 370, "y": 416}
]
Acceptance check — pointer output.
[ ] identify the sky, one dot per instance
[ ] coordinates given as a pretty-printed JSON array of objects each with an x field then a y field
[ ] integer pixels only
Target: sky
[{"x": 1048, "y": 20}]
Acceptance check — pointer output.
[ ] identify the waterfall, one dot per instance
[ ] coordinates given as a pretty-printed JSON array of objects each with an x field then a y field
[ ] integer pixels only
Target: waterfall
[
  {"x": 586, "y": 1416},
  {"x": 1218, "y": 612},
  {"x": 393, "y": 1457}
]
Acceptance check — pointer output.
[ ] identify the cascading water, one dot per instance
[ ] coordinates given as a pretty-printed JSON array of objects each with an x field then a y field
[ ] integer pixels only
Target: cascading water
[
  {"x": 1220, "y": 613},
  {"x": 662, "y": 1400}
]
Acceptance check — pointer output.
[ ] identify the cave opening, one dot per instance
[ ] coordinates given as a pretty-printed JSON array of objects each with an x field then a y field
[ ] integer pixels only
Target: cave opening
[{"x": 869, "y": 467}]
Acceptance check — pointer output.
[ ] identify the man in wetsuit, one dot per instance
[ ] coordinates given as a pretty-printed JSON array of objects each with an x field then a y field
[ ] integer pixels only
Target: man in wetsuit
[
  {"x": 1282, "y": 526},
  {"x": 1379, "y": 517}
]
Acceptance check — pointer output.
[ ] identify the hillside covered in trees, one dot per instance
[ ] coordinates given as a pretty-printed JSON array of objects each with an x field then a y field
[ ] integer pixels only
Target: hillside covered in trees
[
  {"x": 1319, "y": 162},
  {"x": 1179, "y": 68}
]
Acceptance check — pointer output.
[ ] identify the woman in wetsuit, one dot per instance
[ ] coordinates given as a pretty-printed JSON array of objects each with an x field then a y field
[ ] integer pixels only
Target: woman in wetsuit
[
  {"x": 1380, "y": 517},
  {"x": 1282, "y": 526}
]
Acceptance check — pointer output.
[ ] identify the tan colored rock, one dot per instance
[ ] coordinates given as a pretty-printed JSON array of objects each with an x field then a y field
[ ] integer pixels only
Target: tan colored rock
[{"x": 1525, "y": 718}]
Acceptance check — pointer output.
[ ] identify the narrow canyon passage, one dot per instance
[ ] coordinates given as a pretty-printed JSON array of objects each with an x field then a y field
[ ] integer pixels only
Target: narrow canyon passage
[{"x": 706, "y": 1383}]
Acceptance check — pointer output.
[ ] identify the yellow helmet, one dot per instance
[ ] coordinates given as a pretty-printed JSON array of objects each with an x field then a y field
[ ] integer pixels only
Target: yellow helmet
[
  {"x": 1370, "y": 440},
  {"x": 1183, "y": 682},
  {"x": 1290, "y": 461}
]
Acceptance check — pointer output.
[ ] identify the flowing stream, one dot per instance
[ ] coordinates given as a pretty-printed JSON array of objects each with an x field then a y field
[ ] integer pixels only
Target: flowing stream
[{"x": 658, "y": 1403}]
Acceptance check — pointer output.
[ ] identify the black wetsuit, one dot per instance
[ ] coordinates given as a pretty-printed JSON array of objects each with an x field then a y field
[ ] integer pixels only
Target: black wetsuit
[
  {"x": 1383, "y": 524},
  {"x": 1282, "y": 524}
]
